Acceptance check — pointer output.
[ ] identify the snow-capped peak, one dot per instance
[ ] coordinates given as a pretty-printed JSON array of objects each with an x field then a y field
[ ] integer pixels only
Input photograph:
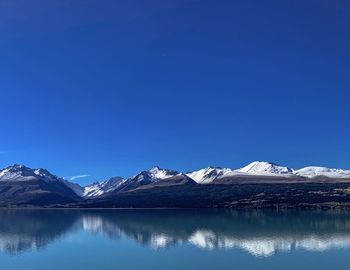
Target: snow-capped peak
[
  {"x": 209, "y": 174},
  {"x": 153, "y": 174},
  {"x": 16, "y": 169},
  {"x": 18, "y": 172},
  {"x": 99, "y": 188},
  {"x": 265, "y": 168},
  {"x": 159, "y": 173},
  {"x": 41, "y": 171},
  {"x": 314, "y": 171}
]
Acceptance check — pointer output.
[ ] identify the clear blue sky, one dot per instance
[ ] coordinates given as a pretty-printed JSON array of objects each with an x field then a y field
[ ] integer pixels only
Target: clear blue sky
[{"x": 113, "y": 87}]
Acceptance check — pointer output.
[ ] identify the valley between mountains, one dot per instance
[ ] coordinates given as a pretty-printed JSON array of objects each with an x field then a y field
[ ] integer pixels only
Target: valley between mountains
[{"x": 257, "y": 185}]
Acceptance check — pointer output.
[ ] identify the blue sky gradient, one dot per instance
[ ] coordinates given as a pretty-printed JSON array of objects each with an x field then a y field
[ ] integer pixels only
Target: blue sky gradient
[{"x": 106, "y": 88}]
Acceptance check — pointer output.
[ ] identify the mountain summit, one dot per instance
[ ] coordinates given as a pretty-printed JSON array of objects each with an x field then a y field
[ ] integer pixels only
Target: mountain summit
[
  {"x": 209, "y": 174},
  {"x": 263, "y": 167},
  {"x": 18, "y": 172},
  {"x": 147, "y": 177},
  {"x": 99, "y": 188}
]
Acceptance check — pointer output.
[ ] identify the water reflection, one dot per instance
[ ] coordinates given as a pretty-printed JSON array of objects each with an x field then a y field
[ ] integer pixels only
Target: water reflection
[
  {"x": 32, "y": 229},
  {"x": 261, "y": 233}
]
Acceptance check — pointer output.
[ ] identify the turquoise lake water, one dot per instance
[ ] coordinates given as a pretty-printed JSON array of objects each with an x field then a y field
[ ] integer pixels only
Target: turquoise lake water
[{"x": 173, "y": 239}]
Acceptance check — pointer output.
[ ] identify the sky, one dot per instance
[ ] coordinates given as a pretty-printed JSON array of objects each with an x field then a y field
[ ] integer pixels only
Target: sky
[{"x": 103, "y": 88}]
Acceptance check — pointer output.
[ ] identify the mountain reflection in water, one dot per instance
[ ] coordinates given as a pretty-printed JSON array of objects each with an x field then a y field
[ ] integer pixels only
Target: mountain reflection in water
[{"x": 261, "y": 233}]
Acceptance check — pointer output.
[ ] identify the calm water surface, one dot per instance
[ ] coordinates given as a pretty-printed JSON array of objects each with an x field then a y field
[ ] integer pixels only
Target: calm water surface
[{"x": 173, "y": 239}]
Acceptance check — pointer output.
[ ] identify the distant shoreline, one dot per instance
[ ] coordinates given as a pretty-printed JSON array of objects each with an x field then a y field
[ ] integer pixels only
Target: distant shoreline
[{"x": 239, "y": 196}]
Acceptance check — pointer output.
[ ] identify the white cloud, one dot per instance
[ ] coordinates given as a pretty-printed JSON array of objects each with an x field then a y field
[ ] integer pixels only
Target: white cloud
[{"x": 78, "y": 176}]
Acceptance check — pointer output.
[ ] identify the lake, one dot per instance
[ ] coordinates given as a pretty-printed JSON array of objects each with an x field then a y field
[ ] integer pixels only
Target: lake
[{"x": 173, "y": 239}]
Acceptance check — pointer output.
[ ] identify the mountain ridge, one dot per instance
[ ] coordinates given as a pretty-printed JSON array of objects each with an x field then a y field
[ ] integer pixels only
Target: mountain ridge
[{"x": 19, "y": 177}]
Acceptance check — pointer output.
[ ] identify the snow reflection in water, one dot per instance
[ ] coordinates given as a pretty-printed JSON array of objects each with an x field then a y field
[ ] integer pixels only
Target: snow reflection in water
[{"x": 260, "y": 233}]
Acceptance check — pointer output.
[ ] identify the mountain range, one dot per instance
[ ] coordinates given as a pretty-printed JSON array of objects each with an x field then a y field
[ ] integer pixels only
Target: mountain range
[
  {"x": 258, "y": 171},
  {"x": 22, "y": 186}
]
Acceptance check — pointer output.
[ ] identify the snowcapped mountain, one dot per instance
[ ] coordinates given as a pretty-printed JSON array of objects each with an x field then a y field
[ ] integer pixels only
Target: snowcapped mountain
[
  {"x": 209, "y": 174},
  {"x": 257, "y": 168},
  {"x": 267, "y": 171},
  {"x": 25, "y": 186},
  {"x": 176, "y": 180},
  {"x": 157, "y": 173},
  {"x": 143, "y": 178},
  {"x": 311, "y": 172},
  {"x": 98, "y": 188},
  {"x": 153, "y": 174},
  {"x": 147, "y": 177},
  {"x": 19, "y": 172},
  {"x": 263, "y": 168}
]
